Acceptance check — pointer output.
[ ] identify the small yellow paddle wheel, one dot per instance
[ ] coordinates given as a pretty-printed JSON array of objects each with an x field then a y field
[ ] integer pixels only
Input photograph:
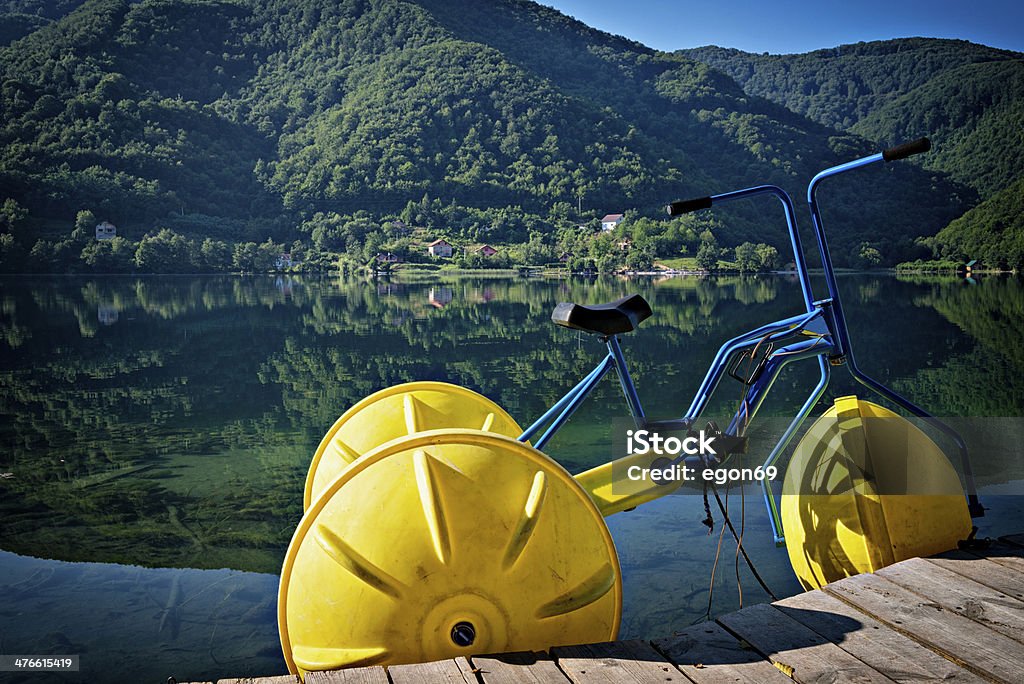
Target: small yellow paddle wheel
[{"x": 865, "y": 489}]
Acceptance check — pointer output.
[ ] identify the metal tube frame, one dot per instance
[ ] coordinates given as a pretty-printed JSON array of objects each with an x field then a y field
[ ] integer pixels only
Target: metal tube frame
[
  {"x": 827, "y": 339},
  {"x": 843, "y": 335}
]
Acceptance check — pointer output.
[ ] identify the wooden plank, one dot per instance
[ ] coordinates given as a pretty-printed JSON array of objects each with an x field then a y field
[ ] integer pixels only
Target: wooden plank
[
  {"x": 968, "y": 643},
  {"x": 614, "y": 663},
  {"x": 356, "y": 675},
  {"x": 281, "y": 679},
  {"x": 512, "y": 668},
  {"x": 799, "y": 651},
  {"x": 708, "y": 654},
  {"x": 438, "y": 672},
  {"x": 467, "y": 670},
  {"x": 896, "y": 656},
  {"x": 983, "y": 571},
  {"x": 978, "y": 602}
]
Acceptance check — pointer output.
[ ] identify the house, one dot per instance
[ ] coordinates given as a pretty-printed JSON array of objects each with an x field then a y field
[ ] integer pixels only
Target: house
[
  {"x": 487, "y": 251},
  {"x": 565, "y": 256},
  {"x": 106, "y": 231},
  {"x": 440, "y": 248},
  {"x": 284, "y": 261},
  {"x": 388, "y": 258},
  {"x": 625, "y": 244},
  {"x": 610, "y": 221}
]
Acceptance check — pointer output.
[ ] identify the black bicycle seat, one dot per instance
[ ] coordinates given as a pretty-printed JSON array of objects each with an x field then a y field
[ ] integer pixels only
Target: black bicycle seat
[{"x": 613, "y": 318}]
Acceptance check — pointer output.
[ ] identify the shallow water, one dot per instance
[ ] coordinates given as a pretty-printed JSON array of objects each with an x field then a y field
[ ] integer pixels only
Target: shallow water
[{"x": 157, "y": 432}]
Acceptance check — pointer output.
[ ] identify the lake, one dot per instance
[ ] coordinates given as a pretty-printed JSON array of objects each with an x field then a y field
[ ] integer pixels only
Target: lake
[{"x": 157, "y": 431}]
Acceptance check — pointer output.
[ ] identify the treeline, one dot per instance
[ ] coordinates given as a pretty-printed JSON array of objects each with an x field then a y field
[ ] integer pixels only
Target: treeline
[{"x": 162, "y": 251}]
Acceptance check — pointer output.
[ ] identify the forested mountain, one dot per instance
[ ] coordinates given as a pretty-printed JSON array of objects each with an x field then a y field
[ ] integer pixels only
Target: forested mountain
[
  {"x": 968, "y": 98},
  {"x": 975, "y": 114},
  {"x": 840, "y": 86},
  {"x": 322, "y": 121}
]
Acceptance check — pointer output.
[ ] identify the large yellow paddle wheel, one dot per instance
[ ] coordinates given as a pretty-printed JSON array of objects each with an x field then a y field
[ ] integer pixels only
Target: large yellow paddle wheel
[{"x": 440, "y": 542}]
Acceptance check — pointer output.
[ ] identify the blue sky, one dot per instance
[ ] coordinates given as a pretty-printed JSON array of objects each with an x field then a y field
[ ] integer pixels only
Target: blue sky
[{"x": 783, "y": 26}]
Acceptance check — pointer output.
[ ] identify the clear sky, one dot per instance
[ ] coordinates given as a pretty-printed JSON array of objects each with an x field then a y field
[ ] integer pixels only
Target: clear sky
[{"x": 784, "y": 26}]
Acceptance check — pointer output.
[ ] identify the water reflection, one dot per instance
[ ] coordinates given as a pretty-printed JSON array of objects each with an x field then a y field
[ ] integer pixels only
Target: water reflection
[{"x": 175, "y": 430}]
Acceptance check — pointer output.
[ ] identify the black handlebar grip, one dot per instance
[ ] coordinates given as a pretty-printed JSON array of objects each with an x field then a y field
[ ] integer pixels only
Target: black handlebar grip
[
  {"x": 686, "y": 206},
  {"x": 906, "y": 149}
]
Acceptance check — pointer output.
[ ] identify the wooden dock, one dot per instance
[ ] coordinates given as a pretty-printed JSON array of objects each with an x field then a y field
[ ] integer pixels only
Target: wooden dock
[{"x": 957, "y": 617}]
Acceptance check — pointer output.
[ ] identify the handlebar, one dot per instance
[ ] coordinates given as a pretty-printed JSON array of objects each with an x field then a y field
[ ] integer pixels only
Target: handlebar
[
  {"x": 907, "y": 149},
  {"x": 686, "y": 206},
  {"x": 894, "y": 153}
]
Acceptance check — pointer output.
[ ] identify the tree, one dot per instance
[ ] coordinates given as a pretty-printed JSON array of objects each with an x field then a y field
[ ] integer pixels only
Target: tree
[
  {"x": 266, "y": 256},
  {"x": 767, "y": 256},
  {"x": 11, "y": 215},
  {"x": 85, "y": 224},
  {"x": 536, "y": 252},
  {"x": 641, "y": 256},
  {"x": 165, "y": 252},
  {"x": 868, "y": 256},
  {"x": 109, "y": 256},
  {"x": 747, "y": 257},
  {"x": 215, "y": 255},
  {"x": 244, "y": 256},
  {"x": 707, "y": 255}
]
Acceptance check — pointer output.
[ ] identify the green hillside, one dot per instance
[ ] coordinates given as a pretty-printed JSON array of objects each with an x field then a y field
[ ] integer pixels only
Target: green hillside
[
  {"x": 975, "y": 115},
  {"x": 18, "y": 18},
  {"x": 992, "y": 232},
  {"x": 210, "y": 124},
  {"x": 840, "y": 86},
  {"x": 968, "y": 98}
]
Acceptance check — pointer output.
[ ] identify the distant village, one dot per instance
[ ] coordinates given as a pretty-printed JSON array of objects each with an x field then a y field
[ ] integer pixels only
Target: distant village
[
  {"x": 420, "y": 248},
  {"x": 442, "y": 248}
]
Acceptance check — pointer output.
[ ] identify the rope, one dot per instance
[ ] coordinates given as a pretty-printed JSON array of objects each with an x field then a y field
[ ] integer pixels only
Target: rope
[
  {"x": 714, "y": 568},
  {"x": 739, "y": 545}
]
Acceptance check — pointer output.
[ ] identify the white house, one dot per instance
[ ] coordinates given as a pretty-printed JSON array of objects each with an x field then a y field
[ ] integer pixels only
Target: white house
[
  {"x": 439, "y": 248},
  {"x": 610, "y": 221},
  {"x": 106, "y": 231}
]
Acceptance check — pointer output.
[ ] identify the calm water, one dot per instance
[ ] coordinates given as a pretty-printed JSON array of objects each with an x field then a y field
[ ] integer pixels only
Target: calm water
[{"x": 156, "y": 434}]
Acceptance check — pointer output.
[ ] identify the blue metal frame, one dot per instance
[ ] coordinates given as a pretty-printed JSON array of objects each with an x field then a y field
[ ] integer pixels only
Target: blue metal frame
[
  {"x": 843, "y": 335},
  {"x": 827, "y": 338}
]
